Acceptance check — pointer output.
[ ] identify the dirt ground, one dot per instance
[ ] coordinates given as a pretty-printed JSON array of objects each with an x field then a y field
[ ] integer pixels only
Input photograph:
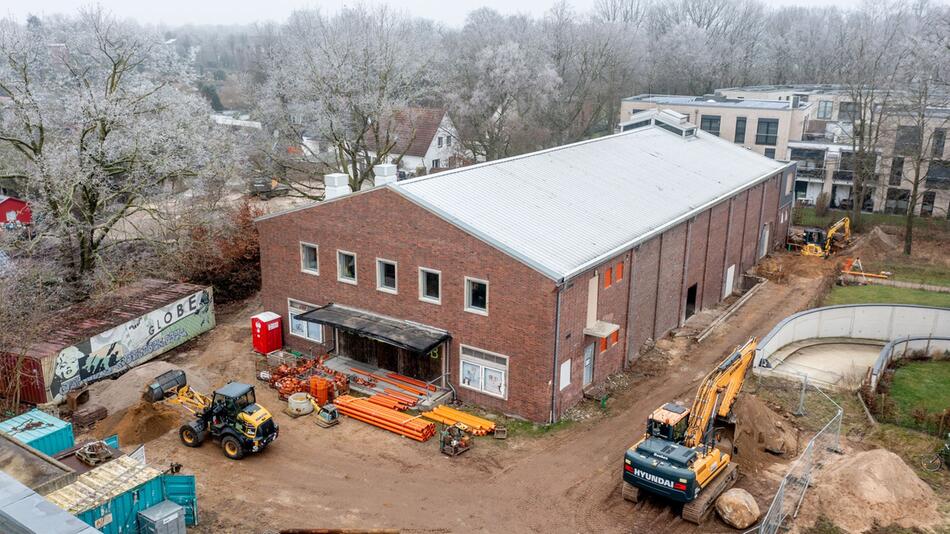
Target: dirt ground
[{"x": 355, "y": 475}]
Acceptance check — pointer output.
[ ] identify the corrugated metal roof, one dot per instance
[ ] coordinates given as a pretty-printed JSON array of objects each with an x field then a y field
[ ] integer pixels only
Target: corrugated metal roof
[
  {"x": 681, "y": 100},
  {"x": 32, "y": 426},
  {"x": 102, "y": 484},
  {"x": 23, "y": 511},
  {"x": 565, "y": 209}
]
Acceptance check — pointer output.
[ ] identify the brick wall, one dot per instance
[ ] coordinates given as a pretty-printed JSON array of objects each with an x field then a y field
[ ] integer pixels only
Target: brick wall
[
  {"x": 672, "y": 255},
  {"x": 612, "y": 307},
  {"x": 715, "y": 254},
  {"x": 382, "y": 224},
  {"x": 646, "y": 272}
]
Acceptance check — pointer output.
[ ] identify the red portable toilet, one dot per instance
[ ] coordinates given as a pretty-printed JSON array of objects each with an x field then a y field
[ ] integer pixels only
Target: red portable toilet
[{"x": 266, "y": 333}]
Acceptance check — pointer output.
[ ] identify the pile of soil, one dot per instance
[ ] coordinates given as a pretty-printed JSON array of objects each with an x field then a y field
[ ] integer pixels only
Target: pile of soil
[
  {"x": 858, "y": 490},
  {"x": 141, "y": 423},
  {"x": 762, "y": 435},
  {"x": 126, "y": 390}
]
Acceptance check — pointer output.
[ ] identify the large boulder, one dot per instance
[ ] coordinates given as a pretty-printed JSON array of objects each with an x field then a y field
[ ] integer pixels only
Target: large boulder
[{"x": 737, "y": 508}]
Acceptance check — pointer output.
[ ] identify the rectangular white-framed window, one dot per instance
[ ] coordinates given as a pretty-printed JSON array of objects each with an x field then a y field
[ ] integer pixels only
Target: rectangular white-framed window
[
  {"x": 440, "y": 142},
  {"x": 436, "y": 163},
  {"x": 305, "y": 329},
  {"x": 565, "y": 378},
  {"x": 309, "y": 258},
  {"x": 430, "y": 285},
  {"x": 386, "y": 276},
  {"x": 346, "y": 266},
  {"x": 476, "y": 296},
  {"x": 483, "y": 371}
]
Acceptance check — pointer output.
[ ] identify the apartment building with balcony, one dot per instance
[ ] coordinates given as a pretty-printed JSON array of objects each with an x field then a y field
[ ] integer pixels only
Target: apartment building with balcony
[
  {"x": 763, "y": 126},
  {"x": 817, "y": 136}
]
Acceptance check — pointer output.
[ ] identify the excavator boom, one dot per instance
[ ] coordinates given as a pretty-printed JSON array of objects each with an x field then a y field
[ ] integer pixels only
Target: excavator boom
[{"x": 718, "y": 393}]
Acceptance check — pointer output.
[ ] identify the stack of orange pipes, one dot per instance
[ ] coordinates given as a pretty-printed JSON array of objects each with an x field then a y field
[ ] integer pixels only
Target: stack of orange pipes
[
  {"x": 450, "y": 416},
  {"x": 393, "y": 403},
  {"x": 385, "y": 418},
  {"x": 400, "y": 385},
  {"x": 410, "y": 380}
]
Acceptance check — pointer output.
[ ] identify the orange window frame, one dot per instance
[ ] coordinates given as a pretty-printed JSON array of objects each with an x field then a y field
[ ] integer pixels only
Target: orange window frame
[
  {"x": 608, "y": 278},
  {"x": 619, "y": 272},
  {"x": 603, "y": 344},
  {"x": 614, "y": 338}
]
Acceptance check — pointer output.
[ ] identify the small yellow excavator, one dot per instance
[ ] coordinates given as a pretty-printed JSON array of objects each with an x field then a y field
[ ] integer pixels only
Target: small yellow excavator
[
  {"x": 231, "y": 416},
  {"x": 686, "y": 453},
  {"x": 819, "y": 242}
]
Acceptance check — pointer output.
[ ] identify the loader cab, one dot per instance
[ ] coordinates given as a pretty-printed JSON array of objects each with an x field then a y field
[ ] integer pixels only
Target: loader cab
[
  {"x": 233, "y": 398},
  {"x": 669, "y": 422}
]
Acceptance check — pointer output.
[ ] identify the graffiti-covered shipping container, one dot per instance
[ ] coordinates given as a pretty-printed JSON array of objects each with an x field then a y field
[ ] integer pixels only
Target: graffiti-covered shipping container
[{"x": 95, "y": 341}]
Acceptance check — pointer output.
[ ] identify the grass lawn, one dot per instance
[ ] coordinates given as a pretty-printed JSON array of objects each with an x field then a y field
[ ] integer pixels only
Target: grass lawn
[
  {"x": 910, "y": 271},
  {"x": 922, "y": 385},
  {"x": 807, "y": 217},
  {"x": 885, "y": 295}
]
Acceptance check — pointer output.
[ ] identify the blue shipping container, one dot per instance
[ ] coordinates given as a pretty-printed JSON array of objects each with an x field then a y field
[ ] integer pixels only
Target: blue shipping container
[
  {"x": 40, "y": 430},
  {"x": 120, "y": 514}
]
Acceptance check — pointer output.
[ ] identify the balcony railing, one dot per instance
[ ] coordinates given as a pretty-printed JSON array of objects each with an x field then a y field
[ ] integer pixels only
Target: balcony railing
[
  {"x": 815, "y": 172},
  {"x": 844, "y": 176}
]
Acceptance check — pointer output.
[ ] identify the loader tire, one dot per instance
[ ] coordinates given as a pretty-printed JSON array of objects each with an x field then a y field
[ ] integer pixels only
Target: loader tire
[
  {"x": 191, "y": 436},
  {"x": 232, "y": 448}
]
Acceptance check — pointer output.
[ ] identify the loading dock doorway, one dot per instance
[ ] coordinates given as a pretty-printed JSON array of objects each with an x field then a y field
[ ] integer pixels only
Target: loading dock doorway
[
  {"x": 588, "y": 365},
  {"x": 691, "y": 300}
]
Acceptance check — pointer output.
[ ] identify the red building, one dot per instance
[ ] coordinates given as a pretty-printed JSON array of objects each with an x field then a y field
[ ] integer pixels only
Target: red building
[
  {"x": 13, "y": 210},
  {"x": 523, "y": 282}
]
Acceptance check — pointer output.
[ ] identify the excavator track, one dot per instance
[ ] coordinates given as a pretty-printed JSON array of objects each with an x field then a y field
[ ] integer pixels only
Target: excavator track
[
  {"x": 695, "y": 511},
  {"x": 630, "y": 492}
]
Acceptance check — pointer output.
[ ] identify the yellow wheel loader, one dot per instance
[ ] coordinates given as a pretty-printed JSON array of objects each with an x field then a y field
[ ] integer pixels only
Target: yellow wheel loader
[{"x": 230, "y": 416}]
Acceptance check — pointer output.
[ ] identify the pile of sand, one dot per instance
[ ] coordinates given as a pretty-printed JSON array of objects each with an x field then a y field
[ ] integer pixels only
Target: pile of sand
[
  {"x": 762, "y": 435},
  {"x": 857, "y": 490},
  {"x": 126, "y": 390},
  {"x": 143, "y": 422}
]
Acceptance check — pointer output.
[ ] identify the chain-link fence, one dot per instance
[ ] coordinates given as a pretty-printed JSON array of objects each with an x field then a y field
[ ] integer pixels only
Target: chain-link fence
[{"x": 816, "y": 413}]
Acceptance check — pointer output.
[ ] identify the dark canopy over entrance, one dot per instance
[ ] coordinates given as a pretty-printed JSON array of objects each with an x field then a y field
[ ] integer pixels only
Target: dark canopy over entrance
[{"x": 402, "y": 334}]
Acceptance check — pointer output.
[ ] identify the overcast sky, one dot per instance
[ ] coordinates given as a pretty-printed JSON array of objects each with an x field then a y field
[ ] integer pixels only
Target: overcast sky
[{"x": 175, "y": 12}]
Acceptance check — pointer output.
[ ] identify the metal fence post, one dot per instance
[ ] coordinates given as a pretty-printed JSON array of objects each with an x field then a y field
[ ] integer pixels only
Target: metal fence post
[{"x": 801, "y": 400}]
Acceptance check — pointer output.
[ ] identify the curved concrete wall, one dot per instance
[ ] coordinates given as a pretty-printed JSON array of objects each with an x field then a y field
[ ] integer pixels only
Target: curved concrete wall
[
  {"x": 882, "y": 322},
  {"x": 898, "y": 348}
]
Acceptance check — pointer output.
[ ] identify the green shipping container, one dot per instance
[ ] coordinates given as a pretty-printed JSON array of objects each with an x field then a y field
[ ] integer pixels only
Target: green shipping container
[{"x": 40, "y": 430}]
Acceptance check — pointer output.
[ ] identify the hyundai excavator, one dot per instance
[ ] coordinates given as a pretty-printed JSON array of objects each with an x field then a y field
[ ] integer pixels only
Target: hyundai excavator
[{"x": 686, "y": 453}]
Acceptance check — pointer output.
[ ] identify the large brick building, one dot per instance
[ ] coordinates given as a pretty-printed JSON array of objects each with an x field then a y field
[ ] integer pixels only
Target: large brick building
[{"x": 521, "y": 282}]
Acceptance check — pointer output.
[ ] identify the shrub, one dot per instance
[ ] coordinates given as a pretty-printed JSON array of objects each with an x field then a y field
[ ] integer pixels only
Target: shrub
[{"x": 226, "y": 256}]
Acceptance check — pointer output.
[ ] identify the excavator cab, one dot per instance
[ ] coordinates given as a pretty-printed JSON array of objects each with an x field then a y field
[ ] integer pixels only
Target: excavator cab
[{"x": 669, "y": 422}]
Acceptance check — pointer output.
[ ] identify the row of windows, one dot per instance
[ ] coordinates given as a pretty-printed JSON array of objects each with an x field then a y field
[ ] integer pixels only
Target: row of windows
[
  {"x": 766, "y": 130},
  {"x": 430, "y": 280}
]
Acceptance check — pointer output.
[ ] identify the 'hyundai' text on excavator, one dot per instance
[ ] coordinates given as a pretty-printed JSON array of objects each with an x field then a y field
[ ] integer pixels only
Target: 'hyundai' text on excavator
[{"x": 686, "y": 453}]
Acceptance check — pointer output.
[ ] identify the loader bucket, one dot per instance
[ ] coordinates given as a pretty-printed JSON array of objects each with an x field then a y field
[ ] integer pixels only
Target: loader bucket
[{"x": 165, "y": 385}]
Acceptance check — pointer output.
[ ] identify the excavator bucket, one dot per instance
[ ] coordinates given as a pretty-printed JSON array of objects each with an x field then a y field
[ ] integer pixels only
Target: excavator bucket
[{"x": 165, "y": 385}]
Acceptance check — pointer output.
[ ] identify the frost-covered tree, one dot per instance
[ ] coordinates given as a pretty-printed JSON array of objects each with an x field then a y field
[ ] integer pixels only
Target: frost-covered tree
[
  {"x": 342, "y": 80},
  {"x": 99, "y": 117}
]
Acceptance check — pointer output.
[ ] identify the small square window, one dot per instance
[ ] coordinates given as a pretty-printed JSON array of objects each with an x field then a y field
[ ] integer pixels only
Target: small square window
[
  {"x": 346, "y": 266},
  {"x": 608, "y": 278},
  {"x": 386, "y": 275},
  {"x": 476, "y": 296},
  {"x": 770, "y": 153},
  {"x": 309, "y": 259},
  {"x": 430, "y": 285}
]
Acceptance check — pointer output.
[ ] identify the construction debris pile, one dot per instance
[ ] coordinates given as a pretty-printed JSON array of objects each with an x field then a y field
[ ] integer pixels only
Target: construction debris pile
[
  {"x": 304, "y": 375},
  {"x": 470, "y": 423},
  {"x": 410, "y": 426}
]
